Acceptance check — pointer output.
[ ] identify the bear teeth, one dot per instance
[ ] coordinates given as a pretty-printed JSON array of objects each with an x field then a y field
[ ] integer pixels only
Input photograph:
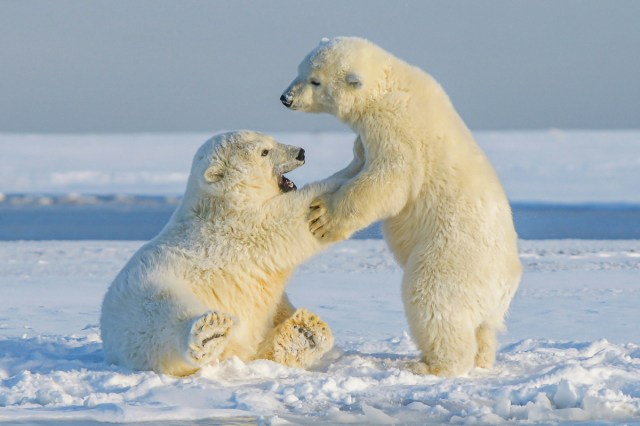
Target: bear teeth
[{"x": 286, "y": 184}]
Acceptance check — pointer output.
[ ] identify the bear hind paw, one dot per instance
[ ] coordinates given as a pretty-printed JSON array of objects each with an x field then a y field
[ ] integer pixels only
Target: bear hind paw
[
  {"x": 207, "y": 337},
  {"x": 303, "y": 339}
]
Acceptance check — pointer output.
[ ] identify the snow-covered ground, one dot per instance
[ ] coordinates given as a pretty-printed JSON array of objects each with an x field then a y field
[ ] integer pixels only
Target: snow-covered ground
[{"x": 571, "y": 352}]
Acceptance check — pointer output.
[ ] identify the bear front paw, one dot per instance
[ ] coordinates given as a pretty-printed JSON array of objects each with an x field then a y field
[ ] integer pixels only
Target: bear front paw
[
  {"x": 317, "y": 215},
  {"x": 321, "y": 222},
  {"x": 207, "y": 337},
  {"x": 302, "y": 340}
]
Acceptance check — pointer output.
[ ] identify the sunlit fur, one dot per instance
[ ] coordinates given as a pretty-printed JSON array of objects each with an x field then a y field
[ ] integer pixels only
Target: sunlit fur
[
  {"x": 417, "y": 167},
  {"x": 228, "y": 249}
]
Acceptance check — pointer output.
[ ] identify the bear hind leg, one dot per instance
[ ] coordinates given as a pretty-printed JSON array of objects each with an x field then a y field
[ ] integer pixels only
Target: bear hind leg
[
  {"x": 486, "y": 340},
  {"x": 448, "y": 349}
]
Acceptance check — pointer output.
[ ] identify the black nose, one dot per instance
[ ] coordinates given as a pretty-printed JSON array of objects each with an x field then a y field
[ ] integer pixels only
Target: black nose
[
  {"x": 286, "y": 100},
  {"x": 300, "y": 156}
]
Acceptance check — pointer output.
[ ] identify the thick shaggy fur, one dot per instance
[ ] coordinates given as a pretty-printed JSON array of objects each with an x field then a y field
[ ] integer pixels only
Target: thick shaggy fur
[
  {"x": 211, "y": 284},
  {"x": 417, "y": 168}
]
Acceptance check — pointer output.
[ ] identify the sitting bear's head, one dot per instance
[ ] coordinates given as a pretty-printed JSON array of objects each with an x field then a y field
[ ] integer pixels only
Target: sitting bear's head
[
  {"x": 244, "y": 165},
  {"x": 338, "y": 77}
]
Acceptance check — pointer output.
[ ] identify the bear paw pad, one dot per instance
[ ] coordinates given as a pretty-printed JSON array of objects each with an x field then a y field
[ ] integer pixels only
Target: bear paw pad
[
  {"x": 207, "y": 337},
  {"x": 304, "y": 338}
]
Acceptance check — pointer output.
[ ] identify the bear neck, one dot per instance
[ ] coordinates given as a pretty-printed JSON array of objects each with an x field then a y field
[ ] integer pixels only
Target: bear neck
[
  {"x": 199, "y": 209},
  {"x": 396, "y": 98},
  {"x": 208, "y": 208}
]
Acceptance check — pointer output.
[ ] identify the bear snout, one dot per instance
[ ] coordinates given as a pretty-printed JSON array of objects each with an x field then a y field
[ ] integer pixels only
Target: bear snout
[
  {"x": 300, "y": 156},
  {"x": 286, "y": 99}
]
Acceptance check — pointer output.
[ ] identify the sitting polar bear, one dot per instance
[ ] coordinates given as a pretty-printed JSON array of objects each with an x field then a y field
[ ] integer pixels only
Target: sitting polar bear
[
  {"x": 211, "y": 284},
  {"x": 417, "y": 168}
]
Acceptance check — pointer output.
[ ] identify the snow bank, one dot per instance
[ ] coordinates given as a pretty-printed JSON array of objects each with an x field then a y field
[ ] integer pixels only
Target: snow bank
[{"x": 566, "y": 358}]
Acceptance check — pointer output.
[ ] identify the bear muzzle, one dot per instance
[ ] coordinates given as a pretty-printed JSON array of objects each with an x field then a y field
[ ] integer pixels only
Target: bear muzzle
[{"x": 287, "y": 99}]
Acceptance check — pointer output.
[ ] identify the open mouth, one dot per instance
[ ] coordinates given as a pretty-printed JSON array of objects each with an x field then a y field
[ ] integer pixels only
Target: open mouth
[{"x": 286, "y": 184}]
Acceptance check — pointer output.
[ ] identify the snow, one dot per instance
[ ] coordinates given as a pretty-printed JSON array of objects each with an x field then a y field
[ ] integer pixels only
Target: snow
[
  {"x": 542, "y": 166},
  {"x": 571, "y": 352}
]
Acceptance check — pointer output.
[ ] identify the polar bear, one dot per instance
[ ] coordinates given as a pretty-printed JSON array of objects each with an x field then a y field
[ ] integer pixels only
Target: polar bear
[
  {"x": 417, "y": 168},
  {"x": 211, "y": 284}
]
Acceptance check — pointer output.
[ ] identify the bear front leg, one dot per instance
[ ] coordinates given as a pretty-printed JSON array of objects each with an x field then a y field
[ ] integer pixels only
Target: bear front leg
[
  {"x": 376, "y": 192},
  {"x": 207, "y": 337},
  {"x": 356, "y": 165},
  {"x": 300, "y": 341}
]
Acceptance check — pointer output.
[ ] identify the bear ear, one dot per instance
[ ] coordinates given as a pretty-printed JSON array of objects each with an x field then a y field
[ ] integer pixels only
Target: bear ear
[
  {"x": 354, "y": 80},
  {"x": 214, "y": 173}
]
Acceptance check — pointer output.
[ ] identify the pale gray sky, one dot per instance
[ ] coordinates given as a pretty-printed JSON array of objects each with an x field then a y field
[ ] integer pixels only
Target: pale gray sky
[{"x": 170, "y": 66}]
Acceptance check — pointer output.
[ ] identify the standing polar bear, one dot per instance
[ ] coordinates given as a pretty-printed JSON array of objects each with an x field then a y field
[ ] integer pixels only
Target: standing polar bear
[
  {"x": 211, "y": 284},
  {"x": 416, "y": 167}
]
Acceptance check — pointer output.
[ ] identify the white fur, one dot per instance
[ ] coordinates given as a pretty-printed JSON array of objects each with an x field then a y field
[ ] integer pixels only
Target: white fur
[
  {"x": 417, "y": 168},
  {"x": 211, "y": 284}
]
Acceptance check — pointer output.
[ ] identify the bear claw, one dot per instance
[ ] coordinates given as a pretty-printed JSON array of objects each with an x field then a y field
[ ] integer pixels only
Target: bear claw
[
  {"x": 206, "y": 337},
  {"x": 304, "y": 339}
]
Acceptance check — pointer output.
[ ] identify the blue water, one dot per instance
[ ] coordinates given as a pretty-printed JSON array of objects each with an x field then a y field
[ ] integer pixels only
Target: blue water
[
  {"x": 536, "y": 221},
  {"x": 143, "y": 221}
]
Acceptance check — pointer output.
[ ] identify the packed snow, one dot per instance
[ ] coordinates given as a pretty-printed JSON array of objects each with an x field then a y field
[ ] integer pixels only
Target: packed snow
[
  {"x": 571, "y": 353},
  {"x": 567, "y": 356}
]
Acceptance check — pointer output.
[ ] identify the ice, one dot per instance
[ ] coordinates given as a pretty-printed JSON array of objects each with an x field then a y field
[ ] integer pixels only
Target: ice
[
  {"x": 373, "y": 415},
  {"x": 542, "y": 166},
  {"x": 565, "y": 396}
]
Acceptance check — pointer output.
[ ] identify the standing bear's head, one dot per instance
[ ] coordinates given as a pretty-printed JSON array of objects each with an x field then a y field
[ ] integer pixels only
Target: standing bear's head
[
  {"x": 340, "y": 76},
  {"x": 243, "y": 165}
]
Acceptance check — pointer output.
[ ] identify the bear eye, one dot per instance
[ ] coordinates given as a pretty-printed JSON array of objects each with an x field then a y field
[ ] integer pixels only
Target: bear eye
[
  {"x": 265, "y": 152},
  {"x": 315, "y": 82}
]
